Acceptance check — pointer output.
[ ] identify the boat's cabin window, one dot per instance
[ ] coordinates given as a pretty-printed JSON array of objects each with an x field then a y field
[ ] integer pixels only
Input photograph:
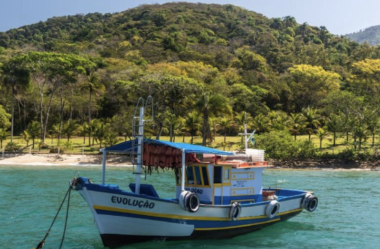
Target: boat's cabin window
[
  {"x": 198, "y": 178},
  {"x": 218, "y": 174},
  {"x": 205, "y": 176},
  {"x": 190, "y": 175},
  {"x": 195, "y": 175}
]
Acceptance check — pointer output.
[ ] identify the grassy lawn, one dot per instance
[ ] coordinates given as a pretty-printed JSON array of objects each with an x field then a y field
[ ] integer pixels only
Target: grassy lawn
[{"x": 77, "y": 145}]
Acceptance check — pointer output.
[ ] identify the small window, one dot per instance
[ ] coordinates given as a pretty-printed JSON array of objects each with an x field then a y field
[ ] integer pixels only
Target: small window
[
  {"x": 198, "y": 175},
  {"x": 217, "y": 174},
  {"x": 190, "y": 175},
  {"x": 205, "y": 176}
]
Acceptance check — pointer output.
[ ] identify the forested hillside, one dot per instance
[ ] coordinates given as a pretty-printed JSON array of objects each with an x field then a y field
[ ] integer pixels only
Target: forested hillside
[
  {"x": 204, "y": 64},
  {"x": 370, "y": 35}
]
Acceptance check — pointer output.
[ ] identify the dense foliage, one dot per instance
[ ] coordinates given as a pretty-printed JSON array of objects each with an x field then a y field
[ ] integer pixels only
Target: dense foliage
[{"x": 205, "y": 66}]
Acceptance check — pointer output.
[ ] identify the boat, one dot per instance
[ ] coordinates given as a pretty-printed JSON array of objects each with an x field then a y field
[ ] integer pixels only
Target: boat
[{"x": 218, "y": 194}]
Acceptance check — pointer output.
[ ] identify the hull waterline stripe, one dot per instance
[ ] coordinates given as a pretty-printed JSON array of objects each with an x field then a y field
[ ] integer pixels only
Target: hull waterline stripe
[
  {"x": 183, "y": 217},
  {"x": 232, "y": 227}
]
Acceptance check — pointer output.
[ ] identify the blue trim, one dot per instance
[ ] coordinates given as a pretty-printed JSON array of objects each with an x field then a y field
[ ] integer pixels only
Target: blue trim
[
  {"x": 228, "y": 199},
  {"x": 196, "y": 223},
  {"x": 189, "y": 148},
  {"x": 145, "y": 189}
]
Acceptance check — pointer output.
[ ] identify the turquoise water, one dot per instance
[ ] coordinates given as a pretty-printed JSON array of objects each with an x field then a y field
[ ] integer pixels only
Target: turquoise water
[{"x": 348, "y": 215}]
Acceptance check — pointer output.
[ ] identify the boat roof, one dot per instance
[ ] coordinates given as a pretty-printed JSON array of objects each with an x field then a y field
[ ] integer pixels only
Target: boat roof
[{"x": 130, "y": 147}]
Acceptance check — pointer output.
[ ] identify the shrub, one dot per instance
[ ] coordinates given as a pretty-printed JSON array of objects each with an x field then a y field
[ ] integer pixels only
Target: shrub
[
  {"x": 43, "y": 145},
  {"x": 281, "y": 145},
  {"x": 12, "y": 147},
  {"x": 55, "y": 150}
]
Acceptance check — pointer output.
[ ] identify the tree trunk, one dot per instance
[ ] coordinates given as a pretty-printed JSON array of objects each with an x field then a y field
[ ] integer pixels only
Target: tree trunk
[
  {"x": 47, "y": 113},
  {"x": 205, "y": 124},
  {"x": 89, "y": 119},
  {"x": 13, "y": 108},
  {"x": 373, "y": 139},
  {"x": 334, "y": 137},
  {"x": 41, "y": 116},
  {"x": 61, "y": 119}
]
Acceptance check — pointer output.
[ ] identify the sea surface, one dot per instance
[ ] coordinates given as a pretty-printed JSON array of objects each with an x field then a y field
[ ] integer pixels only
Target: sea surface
[{"x": 348, "y": 215}]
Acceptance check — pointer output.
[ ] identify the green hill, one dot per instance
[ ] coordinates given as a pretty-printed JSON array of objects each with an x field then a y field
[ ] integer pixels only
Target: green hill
[
  {"x": 370, "y": 35},
  {"x": 180, "y": 53}
]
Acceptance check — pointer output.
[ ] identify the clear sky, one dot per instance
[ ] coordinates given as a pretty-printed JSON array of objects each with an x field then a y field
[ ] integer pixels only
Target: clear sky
[{"x": 339, "y": 16}]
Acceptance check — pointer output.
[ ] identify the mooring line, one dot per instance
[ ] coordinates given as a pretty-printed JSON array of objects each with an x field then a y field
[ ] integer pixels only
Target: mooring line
[{"x": 42, "y": 243}]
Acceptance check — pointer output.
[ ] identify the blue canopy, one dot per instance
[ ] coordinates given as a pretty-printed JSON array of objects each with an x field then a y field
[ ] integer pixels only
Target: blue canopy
[{"x": 127, "y": 147}]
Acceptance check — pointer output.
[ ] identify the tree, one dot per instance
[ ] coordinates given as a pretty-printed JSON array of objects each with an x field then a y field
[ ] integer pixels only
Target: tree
[
  {"x": 53, "y": 70},
  {"x": 334, "y": 125},
  {"x": 83, "y": 130},
  {"x": 101, "y": 132},
  {"x": 321, "y": 134},
  {"x": 211, "y": 104},
  {"x": 311, "y": 84},
  {"x": 26, "y": 137},
  {"x": 261, "y": 123},
  {"x": 4, "y": 118},
  {"x": 297, "y": 124},
  {"x": 94, "y": 86},
  {"x": 17, "y": 78},
  {"x": 313, "y": 120},
  {"x": 3, "y": 136},
  {"x": 279, "y": 120},
  {"x": 33, "y": 130},
  {"x": 70, "y": 128},
  {"x": 223, "y": 124},
  {"x": 192, "y": 124},
  {"x": 366, "y": 79}
]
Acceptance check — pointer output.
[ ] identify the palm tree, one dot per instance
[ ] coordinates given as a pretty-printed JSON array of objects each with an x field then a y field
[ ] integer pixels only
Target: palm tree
[
  {"x": 312, "y": 119},
  {"x": 297, "y": 124},
  {"x": 223, "y": 124},
  {"x": 94, "y": 86},
  {"x": 241, "y": 119},
  {"x": 83, "y": 131},
  {"x": 261, "y": 123},
  {"x": 178, "y": 127},
  {"x": 211, "y": 104},
  {"x": 321, "y": 134},
  {"x": 192, "y": 124},
  {"x": 334, "y": 124},
  {"x": 111, "y": 139},
  {"x": 26, "y": 137},
  {"x": 17, "y": 78},
  {"x": 69, "y": 129},
  {"x": 279, "y": 120},
  {"x": 101, "y": 132},
  {"x": 34, "y": 130}
]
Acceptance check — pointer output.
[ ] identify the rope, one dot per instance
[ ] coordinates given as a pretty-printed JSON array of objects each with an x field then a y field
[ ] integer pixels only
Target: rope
[
  {"x": 42, "y": 243},
  {"x": 67, "y": 217}
]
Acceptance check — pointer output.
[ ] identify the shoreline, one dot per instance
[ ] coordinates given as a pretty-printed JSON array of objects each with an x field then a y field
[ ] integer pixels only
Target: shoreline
[
  {"x": 95, "y": 160},
  {"x": 63, "y": 160}
]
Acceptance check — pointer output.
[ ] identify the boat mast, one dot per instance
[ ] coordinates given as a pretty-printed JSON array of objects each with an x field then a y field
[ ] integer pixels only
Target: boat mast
[
  {"x": 245, "y": 131},
  {"x": 140, "y": 137},
  {"x": 140, "y": 146}
]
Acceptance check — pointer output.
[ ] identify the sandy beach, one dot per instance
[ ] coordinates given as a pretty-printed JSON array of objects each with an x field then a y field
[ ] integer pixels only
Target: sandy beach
[
  {"x": 67, "y": 160},
  {"x": 124, "y": 161}
]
